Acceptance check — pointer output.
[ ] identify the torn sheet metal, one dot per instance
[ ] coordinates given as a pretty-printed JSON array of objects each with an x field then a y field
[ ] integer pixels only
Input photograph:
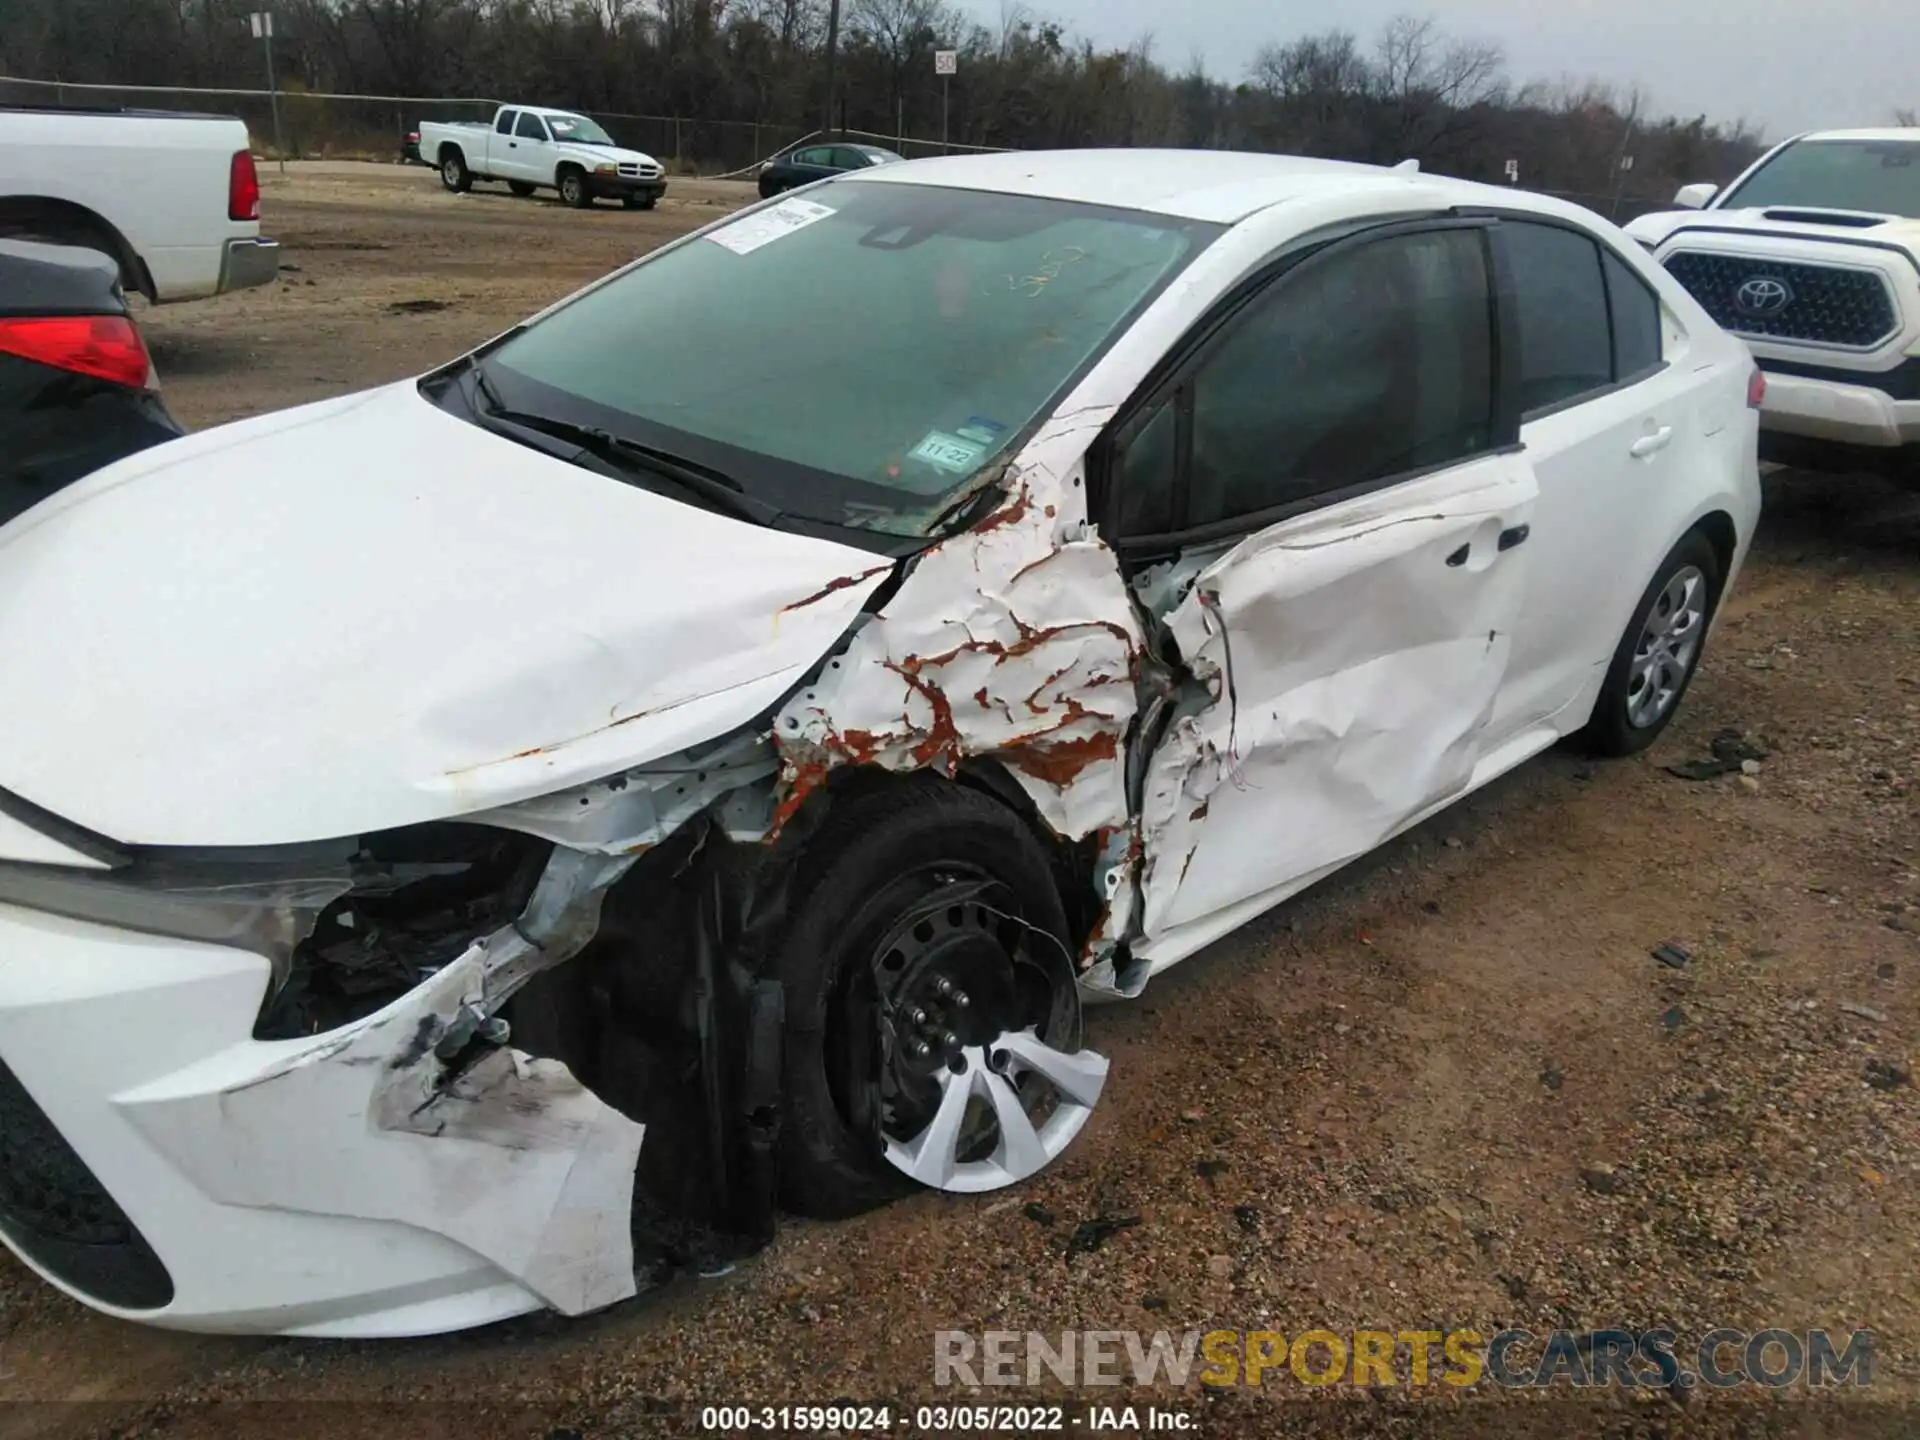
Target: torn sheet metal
[
  {"x": 1353, "y": 658},
  {"x": 1014, "y": 640},
  {"x": 504, "y": 1153},
  {"x": 638, "y": 808}
]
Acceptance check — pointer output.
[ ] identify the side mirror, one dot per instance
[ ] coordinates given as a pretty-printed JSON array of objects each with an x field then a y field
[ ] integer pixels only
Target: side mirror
[{"x": 1696, "y": 197}]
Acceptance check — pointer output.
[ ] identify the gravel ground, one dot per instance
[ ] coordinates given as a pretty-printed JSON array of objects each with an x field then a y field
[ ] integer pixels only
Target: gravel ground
[{"x": 1449, "y": 1088}]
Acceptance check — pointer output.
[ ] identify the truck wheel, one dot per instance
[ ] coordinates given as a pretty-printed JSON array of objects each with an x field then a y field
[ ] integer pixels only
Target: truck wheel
[
  {"x": 574, "y": 191},
  {"x": 521, "y": 188},
  {"x": 454, "y": 173},
  {"x": 932, "y": 1013}
]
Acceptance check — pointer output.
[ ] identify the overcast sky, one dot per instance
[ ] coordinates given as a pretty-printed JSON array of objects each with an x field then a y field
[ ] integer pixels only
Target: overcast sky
[{"x": 1783, "y": 65}]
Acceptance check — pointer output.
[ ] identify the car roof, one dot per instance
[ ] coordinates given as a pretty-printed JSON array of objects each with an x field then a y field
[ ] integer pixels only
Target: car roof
[
  {"x": 1223, "y": 186},
  {"x": 1885, "y": 132}
]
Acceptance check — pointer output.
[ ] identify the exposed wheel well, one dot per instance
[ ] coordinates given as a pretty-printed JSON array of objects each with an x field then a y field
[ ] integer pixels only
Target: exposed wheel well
[
  {"x": 449, "y": 148},
  {"x": 63, "y": 222},
  {"x": 1074, "y": 861},
  {"x": 1717, "y": 526}
]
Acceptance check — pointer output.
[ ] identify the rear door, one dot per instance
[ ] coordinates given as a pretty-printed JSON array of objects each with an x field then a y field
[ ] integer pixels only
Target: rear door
[
  {"x": 1610, "y": 412},
  {"x": 1325, "y": 519}
]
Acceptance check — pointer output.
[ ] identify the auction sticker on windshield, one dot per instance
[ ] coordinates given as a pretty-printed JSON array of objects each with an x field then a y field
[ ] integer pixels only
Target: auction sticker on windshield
[
  {"x": 947, "y": 452},
  {"x": 763, "y": 227}
]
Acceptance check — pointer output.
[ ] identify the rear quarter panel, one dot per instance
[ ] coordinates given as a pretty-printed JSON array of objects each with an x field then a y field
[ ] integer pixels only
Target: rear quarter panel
[{"x": 161, "y": 181}]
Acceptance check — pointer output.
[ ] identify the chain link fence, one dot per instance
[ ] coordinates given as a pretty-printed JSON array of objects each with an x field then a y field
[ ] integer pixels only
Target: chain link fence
[{"x": 322, "y": 126}]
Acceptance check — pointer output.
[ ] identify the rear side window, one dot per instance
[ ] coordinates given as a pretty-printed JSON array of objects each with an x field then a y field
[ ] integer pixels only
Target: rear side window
[
  {"x": 1560, "y": 300},
  {"x": 503, "y": 123},
  {"x": 1358, "y": 365},
  {"x": 530, "y": 128},
  {"x": 1635, "y": 310}
]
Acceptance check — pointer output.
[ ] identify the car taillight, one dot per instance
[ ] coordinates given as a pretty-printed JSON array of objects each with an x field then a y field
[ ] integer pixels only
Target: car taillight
[
  {"x": 106, "y": 347},
  {"x": 1756, "y": 388},
  {"x": 243, "y": 188}
]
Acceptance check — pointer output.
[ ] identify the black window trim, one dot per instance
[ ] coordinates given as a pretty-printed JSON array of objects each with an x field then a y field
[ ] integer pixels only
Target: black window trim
[
  {"x": 1168, "y": 383},
  {"x": 511, "y": 117},
  {"x": 1509, "y": 302}
]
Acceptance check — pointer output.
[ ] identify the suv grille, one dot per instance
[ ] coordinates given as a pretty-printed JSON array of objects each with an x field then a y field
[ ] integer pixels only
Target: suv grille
[
  {"x": 62, "y": 1218},
  {"x": 1815, "y": 304}
]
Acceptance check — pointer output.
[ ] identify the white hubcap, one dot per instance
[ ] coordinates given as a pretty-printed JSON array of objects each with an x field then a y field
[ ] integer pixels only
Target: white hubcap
[
  {"x": 987, "y": 1074},
  {"x": 1669, "y": 644}
]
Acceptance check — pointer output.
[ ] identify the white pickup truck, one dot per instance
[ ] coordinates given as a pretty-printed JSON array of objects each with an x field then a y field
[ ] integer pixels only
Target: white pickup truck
[
  {"x": 173, "y": 198},
  {"x": 530, "y": 148},
  {"x": 1812, "y": 256}
]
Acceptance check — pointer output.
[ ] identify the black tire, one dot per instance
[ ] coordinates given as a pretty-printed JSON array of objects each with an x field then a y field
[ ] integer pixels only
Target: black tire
[
  {"x": 770, "y": 189},
  {"x": 1612, "y": 730},
  {"x": 522, "y": 188},
  {"x": 638, "y": 202},
  {"x": 454, "y": 173},
  {"x": 574, "y": 191},
  {"x": 851, "y": 882}
]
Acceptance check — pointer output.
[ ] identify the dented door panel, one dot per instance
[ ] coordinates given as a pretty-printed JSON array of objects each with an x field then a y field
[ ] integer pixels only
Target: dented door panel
[{"x": 1354, "y": 655}]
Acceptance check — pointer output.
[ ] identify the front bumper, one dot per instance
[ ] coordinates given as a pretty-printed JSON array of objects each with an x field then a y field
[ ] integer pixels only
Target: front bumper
[
  {"x": 1831, "y": 410},
  {"x": 247, "y": 263},
  {"x": 324, "y": 1186},
  {"x": 620, "y": 187}
]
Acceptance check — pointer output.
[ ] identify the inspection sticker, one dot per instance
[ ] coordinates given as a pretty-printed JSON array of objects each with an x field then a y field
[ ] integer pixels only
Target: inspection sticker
[
  {"x": 947, "y": 452},
  {"x": 763, "y": 227}
]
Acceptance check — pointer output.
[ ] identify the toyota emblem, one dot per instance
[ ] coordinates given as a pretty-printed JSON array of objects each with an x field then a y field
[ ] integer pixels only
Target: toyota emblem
[{"x": 1763, "y": 295}]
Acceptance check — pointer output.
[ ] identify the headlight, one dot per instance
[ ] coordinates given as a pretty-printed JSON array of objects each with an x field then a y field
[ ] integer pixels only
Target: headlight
[{"x": 606, "y": 169}]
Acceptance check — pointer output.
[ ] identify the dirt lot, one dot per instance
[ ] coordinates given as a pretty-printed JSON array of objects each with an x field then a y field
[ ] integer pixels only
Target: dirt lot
[{"x": 1449, "y": 1088}]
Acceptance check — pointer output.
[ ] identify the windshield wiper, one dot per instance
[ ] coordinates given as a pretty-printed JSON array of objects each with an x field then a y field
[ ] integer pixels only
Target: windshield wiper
[{"x": 717, "y": 488}]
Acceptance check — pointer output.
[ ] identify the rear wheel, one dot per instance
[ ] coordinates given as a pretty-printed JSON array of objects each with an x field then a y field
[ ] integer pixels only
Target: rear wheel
[
  {"x": 454, "y": 173},
  {"x": 522, "y": 188},
  {"x": 574, "y": 191},
  {"x": 1660, "y": 652},
  {"x": 933, "y": 1020}
]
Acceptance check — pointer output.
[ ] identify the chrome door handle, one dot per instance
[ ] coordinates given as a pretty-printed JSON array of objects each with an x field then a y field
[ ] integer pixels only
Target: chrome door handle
[{"x": 1651, "y": 442}]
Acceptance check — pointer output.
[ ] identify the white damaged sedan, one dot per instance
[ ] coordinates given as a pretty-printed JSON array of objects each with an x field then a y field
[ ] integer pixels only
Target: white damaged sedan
[{"x": 488, "y": 842}]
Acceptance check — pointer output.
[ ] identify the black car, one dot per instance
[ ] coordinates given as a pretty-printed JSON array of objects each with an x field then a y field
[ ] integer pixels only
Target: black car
[
  {"x": 77, "y": 389},
  {"x": 817, "y": 162},
  {"x": 410, "y": 148}
]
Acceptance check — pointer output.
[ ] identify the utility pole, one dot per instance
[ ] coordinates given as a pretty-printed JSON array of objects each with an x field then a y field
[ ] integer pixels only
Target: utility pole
[
  {"x": 263, "y": 32},
  {"x": 833, "y": 45}
]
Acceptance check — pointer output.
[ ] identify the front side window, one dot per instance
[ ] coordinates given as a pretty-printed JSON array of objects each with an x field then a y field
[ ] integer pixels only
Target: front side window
[
  {"x": 932, "y": 326},
  {"x": 530, "y": 128},
  {"x": 813, "y": 157},
  {"x": 1881, "y": 177},
  {"x": 1362, "y": 363}
]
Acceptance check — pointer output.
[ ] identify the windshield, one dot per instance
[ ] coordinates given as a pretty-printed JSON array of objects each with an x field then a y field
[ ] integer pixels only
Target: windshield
[
  {"x": 578, "y": 128},
  {"x": 1878, "y": 176},
  {"x": 857, "y": 357}
]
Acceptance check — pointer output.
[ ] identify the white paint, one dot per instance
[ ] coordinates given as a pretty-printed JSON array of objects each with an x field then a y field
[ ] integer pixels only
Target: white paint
[
  {"x": 491, "y": 155},
  {"x": 433, "y": 621},
  {"x": 159, "y": 180}
]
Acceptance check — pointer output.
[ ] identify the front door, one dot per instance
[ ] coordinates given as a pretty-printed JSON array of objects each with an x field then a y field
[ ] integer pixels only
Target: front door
[
  {"x": 528, "y": 156},
  {"x": 1324, "y": 514}
]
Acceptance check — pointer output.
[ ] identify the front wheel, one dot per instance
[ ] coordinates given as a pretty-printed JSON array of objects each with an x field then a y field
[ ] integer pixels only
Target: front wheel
[
  {"x": 1659, "y": 654},
  {"x": 574, "y": 191},
  {"x": 454, "y": 173},
  {"x": 933, "y": 1019}
]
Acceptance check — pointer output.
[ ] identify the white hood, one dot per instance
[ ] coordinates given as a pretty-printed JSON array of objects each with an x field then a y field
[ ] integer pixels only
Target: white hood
[
  {"x": 368, "y": 613},
  {"x": 604, "y": 154},
  {"x": 1654, "y": 229}
]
